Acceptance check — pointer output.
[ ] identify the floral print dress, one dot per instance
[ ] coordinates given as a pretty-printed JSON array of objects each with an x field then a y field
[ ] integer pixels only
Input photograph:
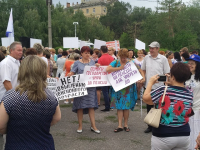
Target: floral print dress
[{"x": 125, "y": 98}]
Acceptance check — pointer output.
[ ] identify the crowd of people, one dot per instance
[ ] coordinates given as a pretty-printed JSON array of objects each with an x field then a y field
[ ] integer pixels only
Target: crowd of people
[{"x": 28, "y": 106}]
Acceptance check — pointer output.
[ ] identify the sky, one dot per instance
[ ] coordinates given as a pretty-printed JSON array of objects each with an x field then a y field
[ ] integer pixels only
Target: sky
[{"x": 140, "y": 3}]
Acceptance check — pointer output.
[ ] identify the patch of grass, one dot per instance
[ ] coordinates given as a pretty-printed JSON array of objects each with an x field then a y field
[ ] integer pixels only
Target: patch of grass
[
  {"x": 136, "y": 142},
  {"x": 60, "y": 134},
  {"x": 111, "y": 118},
  {"x": 66, "y": 105},
  {"x": 86, "y": 138},
  {"x": 76, "y": 122},
  {"x": 144, "y": 107}
]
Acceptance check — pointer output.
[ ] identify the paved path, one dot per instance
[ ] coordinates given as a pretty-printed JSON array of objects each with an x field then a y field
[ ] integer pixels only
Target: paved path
[{"x": 66, "y": 138}]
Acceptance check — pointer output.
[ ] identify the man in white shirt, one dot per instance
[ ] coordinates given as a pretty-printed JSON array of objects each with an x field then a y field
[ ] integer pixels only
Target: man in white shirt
[
  {"x": 153, "y": 64},
  {"x": 9, "y": 68}
]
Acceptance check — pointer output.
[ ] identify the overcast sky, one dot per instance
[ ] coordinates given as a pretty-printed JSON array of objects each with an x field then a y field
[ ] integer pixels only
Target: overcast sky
[{"x": 140, "y": 3}]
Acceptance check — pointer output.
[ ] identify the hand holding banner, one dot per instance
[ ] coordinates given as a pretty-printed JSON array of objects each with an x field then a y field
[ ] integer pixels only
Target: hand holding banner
[
  {"x": 96, "y": 76},
  {"x": 125, "y": 77},
  {"x": 70, "y": 87}
]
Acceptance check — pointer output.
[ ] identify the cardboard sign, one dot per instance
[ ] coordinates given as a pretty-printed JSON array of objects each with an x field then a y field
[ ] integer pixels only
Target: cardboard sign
[
  {"x": 96, "y": 76},
  {"x": 139, "y": 44},
  {"x": 7, "y": 41},
  {"x": 113, "y": 44},
  {"x": 70, "y": 87},
  {"x": 98, "y": 43},
  {"x": 33, "y": 41},
  {"x": 125, "y": 77},
  {"x": 51, "y": 84},
  {"x": 70, "y": 42}
]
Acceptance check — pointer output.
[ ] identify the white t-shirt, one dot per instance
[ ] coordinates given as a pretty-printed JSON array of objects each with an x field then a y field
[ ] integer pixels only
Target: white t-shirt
[
  {"x": 139, "y": 63},
  {"x": 45, "y": 60},
  {"x": 194, "y": 87},
  {"x": 9, "y": 68}
]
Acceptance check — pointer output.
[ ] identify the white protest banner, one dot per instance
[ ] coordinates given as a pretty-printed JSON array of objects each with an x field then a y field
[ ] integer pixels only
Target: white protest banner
[
  {"x": 113, "y": 44},
  {"x": 125, "y": 77},
  {"x": 96, "y": 76},
  {"x": 82, "y": 43},
  {"x": 70, "y": 42},
  {"x": 33, "y": 41},
  {"x": 98, "y": 43},
  {"x": 70, "y": 87},
  {"x": 139, "y": 44},
  {"x": 7, "y": 41},
  {"x": 51, "y": 84}
]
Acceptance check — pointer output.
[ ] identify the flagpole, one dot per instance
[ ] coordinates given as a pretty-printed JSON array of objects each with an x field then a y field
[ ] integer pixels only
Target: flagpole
[{"x": 49, "y": 24}]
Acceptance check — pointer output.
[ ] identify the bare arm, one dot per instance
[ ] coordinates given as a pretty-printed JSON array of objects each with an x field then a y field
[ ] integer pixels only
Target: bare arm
[
  {"x": 7, "y": 85},
  {"x": 56, "y": 116},
  {"x": 64, "y": 67},
  {"x": 147, "y": 94},
  {"x": 142, "y": 73},
  {"x": 3, "y": 119}
]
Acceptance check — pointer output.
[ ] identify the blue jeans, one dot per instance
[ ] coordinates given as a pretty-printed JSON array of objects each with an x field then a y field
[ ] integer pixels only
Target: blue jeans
[{"x": 105, "y": 91}]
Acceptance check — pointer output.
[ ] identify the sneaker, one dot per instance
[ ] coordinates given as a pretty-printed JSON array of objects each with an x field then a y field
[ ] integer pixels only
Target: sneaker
[
  {"x": 147, "y": 130},
  {"x": 104, "y": 110}
]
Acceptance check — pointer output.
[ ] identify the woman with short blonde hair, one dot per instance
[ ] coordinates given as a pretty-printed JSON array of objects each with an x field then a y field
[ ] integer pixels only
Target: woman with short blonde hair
[{"x": 30, "y": 108}]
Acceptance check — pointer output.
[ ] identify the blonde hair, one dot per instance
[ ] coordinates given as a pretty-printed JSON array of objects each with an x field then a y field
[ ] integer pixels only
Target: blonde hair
[
  {"x": 123, "y": 52},
  {"x": 32, "y": 78},
  {"x": 60, "y": 50},
  {"x": 111, "y": 48},
  {"x": 53, "y": 50},
  {"x": 39, "y": 48}
]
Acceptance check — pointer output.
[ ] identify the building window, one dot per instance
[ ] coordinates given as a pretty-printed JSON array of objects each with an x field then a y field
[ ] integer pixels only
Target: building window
[
  {"x": 93, "y": 10},
  {"x": 87, "y": 11},
  {"x": 104, "y": 10}
]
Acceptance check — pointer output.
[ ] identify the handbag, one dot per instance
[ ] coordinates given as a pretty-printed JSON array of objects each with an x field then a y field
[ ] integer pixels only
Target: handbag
[{"x": 153, "y": 117}]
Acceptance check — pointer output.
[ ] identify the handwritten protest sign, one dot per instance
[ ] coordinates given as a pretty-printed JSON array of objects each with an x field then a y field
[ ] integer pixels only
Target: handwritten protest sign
[
  {"x": 51, "y": 84},
  {"x": 125, "y": 77},
  {"x": 70, "y": 87},
  {"x": 113, "y": 44},
  {"x": 96, "y": 76}
]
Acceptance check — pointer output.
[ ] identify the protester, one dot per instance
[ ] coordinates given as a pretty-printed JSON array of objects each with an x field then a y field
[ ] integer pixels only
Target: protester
[
  {"x": 105, "y": 60},
  {"x": 177, "y": 56},
  {"x": 77, "y": 51},
  {"x": 95, "y": 55},
  {"x": 111, "y": 52},
  {"x": 39, "y": 48},
  {"x": 60, "y": 51},
  {"x": 153, "y": 64},
  {"x": 9, "y": 68},
  {"x": 53, "y": 55},
  {"x": 139, "y": 60},
  {"x": 3, "y": 50},
  {"x": 174, "y": 130},
  {"x": 88, "y": 103},
  {"x": 185, "y": 56},
  {"x": 162, "y": 53},
  {"x": 126, "y": 98},
  {"x": 183, "y": 50},
  {"x": 69, "y": 51},
  {"x": 144, "y": 53},
  {"x": 170, "y": 56},
  {"x": 1, "y": 56},
  {"x": 47, "y": 54},
  {"x": 30, "y": 51},
  {"x": 28, "y": 111},
  {"x": 194, "y": 86},
  {"x": 67, "y": 68},
  {"x": 60, "y": 63},
  {"x": 131, "y": 55}
]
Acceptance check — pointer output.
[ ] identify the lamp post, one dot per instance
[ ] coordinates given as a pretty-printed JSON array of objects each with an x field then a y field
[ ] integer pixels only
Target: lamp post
[
  {"x": 75, "y": 23},
  {"x": 49, "y": 3}
]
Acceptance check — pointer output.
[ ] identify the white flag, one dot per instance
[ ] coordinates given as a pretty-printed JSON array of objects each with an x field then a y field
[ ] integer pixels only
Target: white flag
[{"x": 10, "y": 28}]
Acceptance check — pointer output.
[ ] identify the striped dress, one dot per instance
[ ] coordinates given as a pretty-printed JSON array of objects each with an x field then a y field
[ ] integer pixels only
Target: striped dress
[{"x": 87, "y": 101}]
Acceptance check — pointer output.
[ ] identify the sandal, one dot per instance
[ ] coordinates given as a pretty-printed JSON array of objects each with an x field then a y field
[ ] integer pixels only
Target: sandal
[
  {"x": 118, "y": 130},
  {"x": 127, "y": 129}
]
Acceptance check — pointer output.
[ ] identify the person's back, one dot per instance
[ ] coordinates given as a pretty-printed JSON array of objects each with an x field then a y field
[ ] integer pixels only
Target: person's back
[
  {"x": 60, "y": 63},
  {"x": 29, "y": 122}
]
